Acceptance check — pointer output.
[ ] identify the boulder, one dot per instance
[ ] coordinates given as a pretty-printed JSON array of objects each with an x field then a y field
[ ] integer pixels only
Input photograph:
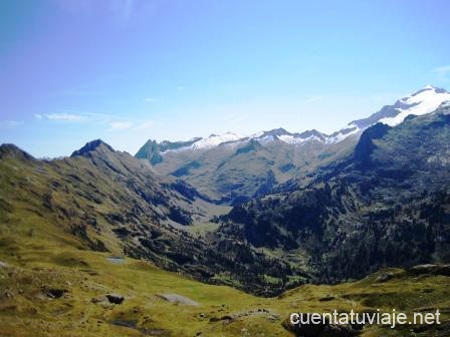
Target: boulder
[
  {"x": 384, "y": 277},
  {"x": 175, "y": 298},
  {"x": 433, "y": 269},
  {"x": 54, "y": 293},
  {"x": 115, "y": 298}
]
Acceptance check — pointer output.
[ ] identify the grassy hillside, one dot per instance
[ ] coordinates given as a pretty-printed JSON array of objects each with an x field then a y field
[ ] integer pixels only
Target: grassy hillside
[
  {"x": 53, "y": 283},
  {"x": 108, "y": 201},
  {"x": 34, "y": 272}
]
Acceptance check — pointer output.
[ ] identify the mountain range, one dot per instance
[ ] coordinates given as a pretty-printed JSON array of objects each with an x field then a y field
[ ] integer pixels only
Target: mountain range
[
  {"x": 262, "y": 214},
  {"x": 231, "y": 169},
  {"x": 308, "y": 201}
]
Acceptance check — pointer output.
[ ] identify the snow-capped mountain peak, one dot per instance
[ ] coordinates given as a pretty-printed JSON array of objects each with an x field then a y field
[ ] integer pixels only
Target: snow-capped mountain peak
[
  {"x": 424, "y": 101},
  {"x": 421, "y": 102},
  {"x": 215, "y": 140}
]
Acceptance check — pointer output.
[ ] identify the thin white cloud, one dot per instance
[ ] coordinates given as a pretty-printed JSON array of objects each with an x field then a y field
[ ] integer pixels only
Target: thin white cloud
[
  {"x": 314, "y": 98},
  {"x": 443, "y": 71},
  {"x": 151, "y": 99},
  {"x": 10, "y": 124},
  {"x": 98, "y": 116},
  {"x": 180, "y": 88},
  {"x": 63, "y": 117},
  {"x": 120, "y": 125},
  {"x": 110, "y": 121},
  {"x": 146, "y": 125}
]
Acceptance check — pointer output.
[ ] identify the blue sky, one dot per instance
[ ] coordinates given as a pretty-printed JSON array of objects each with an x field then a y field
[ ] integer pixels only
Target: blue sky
[{"x": 128, "y": 70}]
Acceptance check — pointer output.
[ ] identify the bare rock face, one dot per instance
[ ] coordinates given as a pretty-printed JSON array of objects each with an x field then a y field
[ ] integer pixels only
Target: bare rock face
[
  {"x": 54, "y": 293},
  {"x": 115, "y": 298},
  {"x": 433, "y": 269},
  {"x": 445, "y": 108},
  {"x": 175, "y": 298},
  {"x": 384, "y": 276}
]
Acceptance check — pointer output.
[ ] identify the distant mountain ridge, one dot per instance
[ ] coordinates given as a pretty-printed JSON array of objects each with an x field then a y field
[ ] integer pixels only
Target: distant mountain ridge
[
  {"x": 421, "y": 102},
  {"x": 230, "y": 168}
]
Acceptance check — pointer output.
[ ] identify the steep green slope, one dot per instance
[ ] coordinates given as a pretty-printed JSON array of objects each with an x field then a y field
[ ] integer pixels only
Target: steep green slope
[
  {"x": 104, "y": 200},
  {"x": 235, "y": 172},
  {"x": 385, "y": 205}
]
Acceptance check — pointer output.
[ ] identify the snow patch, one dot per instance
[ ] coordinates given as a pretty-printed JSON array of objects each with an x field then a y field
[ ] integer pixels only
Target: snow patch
[
  {"x": 423, "y": 102},
  {"x": 214, "y": 140},
  {"x": 289, "y": 139},
  {"x": 341, "y": 135}
]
